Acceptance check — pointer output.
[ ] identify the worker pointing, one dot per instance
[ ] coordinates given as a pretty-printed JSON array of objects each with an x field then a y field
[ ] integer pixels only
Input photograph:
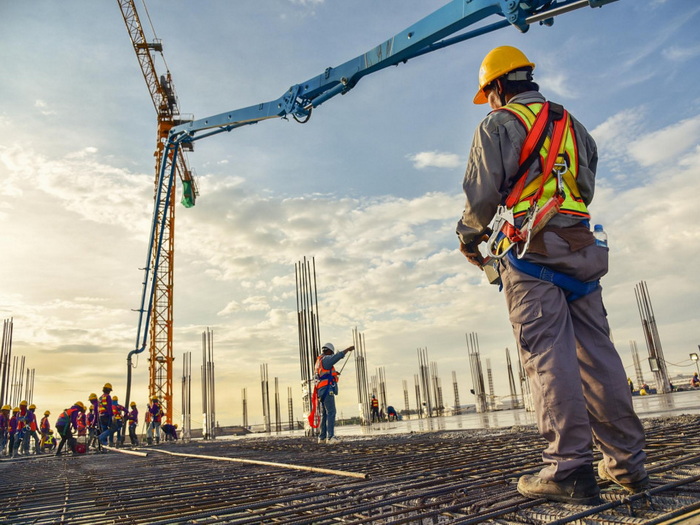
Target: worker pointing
[
  {"x": 327, "y": 388},
  {"x": 528, "y": 183}
]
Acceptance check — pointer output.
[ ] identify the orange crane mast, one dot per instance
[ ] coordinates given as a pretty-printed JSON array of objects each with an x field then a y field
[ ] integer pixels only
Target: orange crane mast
[{"x": 160, "y": 361}]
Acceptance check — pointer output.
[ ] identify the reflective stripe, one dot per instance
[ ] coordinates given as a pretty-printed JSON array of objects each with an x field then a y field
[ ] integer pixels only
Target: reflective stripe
[{"x": 573, "y": 203}]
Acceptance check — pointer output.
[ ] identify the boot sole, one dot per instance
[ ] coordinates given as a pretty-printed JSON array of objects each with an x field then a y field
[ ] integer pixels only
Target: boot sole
[{"x": 561, "y": 498}]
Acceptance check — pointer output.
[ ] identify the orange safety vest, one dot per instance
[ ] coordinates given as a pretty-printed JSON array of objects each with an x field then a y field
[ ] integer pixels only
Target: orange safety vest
[
  {"x": 325, "y": 376},
  {"x": 102, "y": 407},
  {"x": 375, "y": 402}
]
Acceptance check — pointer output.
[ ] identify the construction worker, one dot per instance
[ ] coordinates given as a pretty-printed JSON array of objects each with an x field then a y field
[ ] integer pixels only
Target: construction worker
[
  {"x": 552, "y": 292},
  {"x": 170, "y": 431},
  {"x": 4, "y": 426},
  {"x": 93, "y": 420},
  {"x": 21, "y": 429},
  {"x": 374, "y": 406},
  {"x": 132, "y": 418},
  {"x": 49, "y": 442},
  {"x": 66, "y": 422},
  {"x": 12, "y": 425},
  {"x": 118, "y": 413},
  {"x": 156, "y": 413},
  {"x": 695, "y": 381},
  {"x": 31, "y": 431},
  {"x": 44, "y": 428},
  {"x": 327, "y": 389},
  {"x": 104, "y": 409},
  {"x": 391, "y": 414}
]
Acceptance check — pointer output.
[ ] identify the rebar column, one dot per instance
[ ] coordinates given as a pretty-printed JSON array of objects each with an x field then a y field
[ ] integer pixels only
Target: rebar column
[
  {"x": 186, "y": 392},
  {"x": 308, "y": 331},
  {"x": 208, "y": 401},
  {"x": 361, "y": 377},
  {"x": 637, "y": 363},
  {"x": 424, "y": 374},
  {"x": 656, "y": 354},
  {"x": 265, "y": 387},
  {"x": 458, "y": 407},
  {"x": 5, "y": 356},
  {"x": 407, "y": 408},
  {"x": 477, "y": 374}
]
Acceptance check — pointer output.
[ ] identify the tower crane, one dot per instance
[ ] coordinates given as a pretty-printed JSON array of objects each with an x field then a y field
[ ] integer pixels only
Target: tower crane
[{"x": 167, "y": 109}]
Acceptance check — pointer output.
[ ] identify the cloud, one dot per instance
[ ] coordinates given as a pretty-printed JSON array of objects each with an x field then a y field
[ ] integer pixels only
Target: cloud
[
  {"x": 666, "y": 144},
  {"x": 435, "y": 159}
]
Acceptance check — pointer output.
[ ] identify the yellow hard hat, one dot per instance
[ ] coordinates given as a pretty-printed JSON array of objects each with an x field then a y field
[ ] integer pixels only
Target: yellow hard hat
[
  {"x": 47, "y": 413},
  {"x": 80, "y": 404},
  {"x": 32, "y": 407},
  {"x": 115, "y": 398},
  {"x": 107, "y": 386},
  {"x": 6, "y": 407},
  {"x": 132, "y": 404},
  {"x": 23, "y": 403},
  {"x": 496, "y": 63},
  {"x": 92, "y": 396},
  {"x": 16, "y": 409},
  {"x": 154, "y": 398}
]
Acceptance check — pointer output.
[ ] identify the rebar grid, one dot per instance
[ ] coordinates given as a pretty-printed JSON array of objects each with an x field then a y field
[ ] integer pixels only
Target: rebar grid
[{"x": 439, "y": 477}]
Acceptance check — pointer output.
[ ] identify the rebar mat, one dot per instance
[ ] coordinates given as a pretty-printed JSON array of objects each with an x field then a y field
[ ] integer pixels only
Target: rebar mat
[{"x": 428, "y": 478}]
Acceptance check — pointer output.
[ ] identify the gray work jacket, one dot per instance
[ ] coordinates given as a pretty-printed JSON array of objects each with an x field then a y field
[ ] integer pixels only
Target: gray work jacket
[{"x": 493, "y": 164}]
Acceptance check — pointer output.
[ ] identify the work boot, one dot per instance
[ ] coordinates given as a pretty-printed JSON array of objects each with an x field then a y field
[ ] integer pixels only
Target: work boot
[
  {"x": 633, "y": 487},
  {"x": 149, "y": 441},
  {"x": 579, "y": 487}
]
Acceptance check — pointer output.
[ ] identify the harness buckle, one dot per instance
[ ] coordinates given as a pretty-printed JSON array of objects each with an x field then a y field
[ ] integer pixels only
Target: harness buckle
[{"x": 503, "y": 217}]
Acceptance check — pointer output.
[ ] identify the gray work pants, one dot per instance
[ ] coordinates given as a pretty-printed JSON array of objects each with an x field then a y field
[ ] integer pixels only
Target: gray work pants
[{"x": 578, "y": 382}]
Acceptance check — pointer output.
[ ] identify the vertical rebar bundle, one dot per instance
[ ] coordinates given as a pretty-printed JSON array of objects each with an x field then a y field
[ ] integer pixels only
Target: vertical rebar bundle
[
  {"x": 186, "y": 389},
  {"x": 419, "y": 402},
  {"x": 17, "y": 382},
  {"x": 407, "y": 408},
  {"x": 244, "y": 397},
  {"x": 290, "y": 407},
  {"x": 437, "y": 388},
  {"x": 208, "y": 401},
  {"x": 278, "y": 413},
  {"x": 358, "y": 339},
  {"x": 5, "y": 356},
  {"x": 477, "y": 374},
  {"x": 383, "y": 398},
  {"x": 458, "y": 407},
  {"x": 308, "y": 330},
  {"x": 424, "y": 375},
  {"x": 492, "y": 394},
  {"x": 265, "y": 387},
  {"x": 651, "y": 334},
  {"x": 637, "y": 364},
  {"x": 515, "y": 402}
]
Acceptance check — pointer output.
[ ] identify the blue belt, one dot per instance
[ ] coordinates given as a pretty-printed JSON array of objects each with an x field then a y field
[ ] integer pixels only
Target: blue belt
[{"x": 575, "y": 288}]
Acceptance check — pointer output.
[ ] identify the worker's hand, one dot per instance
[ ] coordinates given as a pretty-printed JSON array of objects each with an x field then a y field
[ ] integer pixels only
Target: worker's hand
[
  {"x": 471, "y": 251},
  {"x": 349, "y": 349}
]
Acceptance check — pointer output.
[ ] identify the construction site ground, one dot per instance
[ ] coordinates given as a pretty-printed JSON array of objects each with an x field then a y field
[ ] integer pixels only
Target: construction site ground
[{"x": 465, "y": 476}]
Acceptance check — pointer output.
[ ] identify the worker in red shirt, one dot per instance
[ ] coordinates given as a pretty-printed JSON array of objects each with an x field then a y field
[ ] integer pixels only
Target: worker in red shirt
[{"x": 68, "y": 421}]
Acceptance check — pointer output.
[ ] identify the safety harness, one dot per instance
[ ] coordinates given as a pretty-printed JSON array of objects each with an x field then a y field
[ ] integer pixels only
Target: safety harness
[
  {"x": 545, "y": 196},
  {"x": 324, "y": 377}
]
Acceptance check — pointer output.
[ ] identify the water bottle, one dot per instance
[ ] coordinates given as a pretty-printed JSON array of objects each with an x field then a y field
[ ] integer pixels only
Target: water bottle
[{"x": 601, "y": 238}]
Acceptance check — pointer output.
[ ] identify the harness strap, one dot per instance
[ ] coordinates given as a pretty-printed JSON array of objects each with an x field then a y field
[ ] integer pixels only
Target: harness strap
[{"x": 575, "y": 288}]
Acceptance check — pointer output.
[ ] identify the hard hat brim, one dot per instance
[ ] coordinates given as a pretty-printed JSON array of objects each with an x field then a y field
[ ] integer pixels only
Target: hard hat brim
[{"x": 480, "y": 97}]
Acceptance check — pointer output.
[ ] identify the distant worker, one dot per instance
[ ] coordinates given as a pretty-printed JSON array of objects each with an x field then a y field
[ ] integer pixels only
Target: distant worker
[
  {"x": 552, "y": 285},
  {"x": 48, "y": 443},
  {"x": 45, "y": 425},
  {"x": 31, "y": 431},
  {"x": 12, "y": 433},
  {"x": 118, "y": 414},
  {"x": 4, "y": 425},
  {"x": 132, "y": 419},
  {"x": 66, "y": 423},
  {"x": 695, "y": 381},
  {"x": 93, "y": 421},
  {"x": 391, "y": 413},
  {"x": 374, "y": 407},
  {"x": 629, "y": 382},
  {"x": 104, "y": 408},
  {"x": 21, "y": 430},
  {"x": 170, "y": 432},
  {"x": 327, "y": 389},
  {"x": 156, "y": 413}
]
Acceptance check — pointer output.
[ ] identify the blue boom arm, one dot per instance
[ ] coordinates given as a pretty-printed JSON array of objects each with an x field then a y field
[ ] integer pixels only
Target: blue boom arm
[{"x": 427, "y": 35}]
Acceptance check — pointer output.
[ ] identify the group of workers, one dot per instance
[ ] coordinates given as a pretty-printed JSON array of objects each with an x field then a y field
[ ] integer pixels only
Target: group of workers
[{"x": 103, "y": 422}]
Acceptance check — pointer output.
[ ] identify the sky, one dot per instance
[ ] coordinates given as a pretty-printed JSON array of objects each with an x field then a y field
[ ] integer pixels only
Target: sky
[{"x": 370, "y": 188}]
